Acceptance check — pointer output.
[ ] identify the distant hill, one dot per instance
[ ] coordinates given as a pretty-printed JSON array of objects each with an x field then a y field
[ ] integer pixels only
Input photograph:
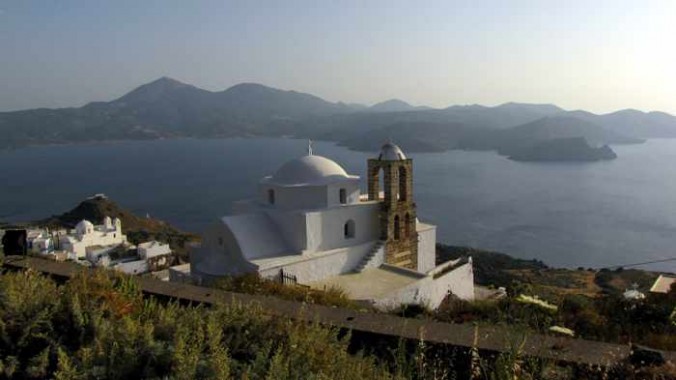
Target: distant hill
[
  {"x": 168, "y": 108},
  {"x": 634, "y": 123},
  {"x": 513, "y": 140},
  {"x": 573, "y": 149},
  {"x": 412, "y": 137},
  {"x": 395, "y": 105}
]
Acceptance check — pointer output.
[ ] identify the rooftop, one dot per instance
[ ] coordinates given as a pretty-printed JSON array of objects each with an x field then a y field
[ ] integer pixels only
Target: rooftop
[
  {"x": 307, "y": 171},
  {"x": 391, "y": 152},
  {"x": 662, "y": 284}
]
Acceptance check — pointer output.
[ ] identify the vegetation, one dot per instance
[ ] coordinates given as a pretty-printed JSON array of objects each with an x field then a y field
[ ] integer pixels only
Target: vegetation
[
  {"x": 608, "y": 318},
  {"x": 99, "y": 326},
  {"x": 490, "y": 268},
  {"x": 254, "y": 284},
  {"x": 587, "y": 301}
]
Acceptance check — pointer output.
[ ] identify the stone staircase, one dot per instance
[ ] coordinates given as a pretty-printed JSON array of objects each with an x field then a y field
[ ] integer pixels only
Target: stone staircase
[{"x": 369, "y": 258}]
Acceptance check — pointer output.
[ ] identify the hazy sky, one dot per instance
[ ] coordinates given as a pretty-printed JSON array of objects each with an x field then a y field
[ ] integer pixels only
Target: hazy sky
[{"x": 593, "y": 54}]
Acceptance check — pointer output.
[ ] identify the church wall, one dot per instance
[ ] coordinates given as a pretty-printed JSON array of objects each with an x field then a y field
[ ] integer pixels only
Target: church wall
[
  {"x": 351, "y": 189},
  {"x": 78, "y": 248},
  {"x": 325, "y": 228},
  {"x": 431, "y": 292},
  {"x": 218, "y": 259},
  {"x": 427, "y": 241},
  {"x": 292, "y": 226},
  {"x": 460, "y": 281},
  {"x": 319, "y": 268},
  {"x": 296, "y": 197}
]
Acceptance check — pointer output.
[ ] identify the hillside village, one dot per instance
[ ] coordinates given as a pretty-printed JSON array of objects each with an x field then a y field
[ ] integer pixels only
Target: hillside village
[{"x": 103, "y": 245}]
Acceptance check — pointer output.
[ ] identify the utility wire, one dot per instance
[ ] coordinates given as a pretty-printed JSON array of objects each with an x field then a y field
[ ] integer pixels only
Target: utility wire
[{"x": 643, "y": 263}]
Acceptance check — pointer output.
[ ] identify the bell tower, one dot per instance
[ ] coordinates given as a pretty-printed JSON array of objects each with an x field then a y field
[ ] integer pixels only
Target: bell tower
[{"x": 397, "y": 210}]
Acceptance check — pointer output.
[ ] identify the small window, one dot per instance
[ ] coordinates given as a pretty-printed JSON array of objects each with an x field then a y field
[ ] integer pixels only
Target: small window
[
  {"x": 349, "y": 229},
  {"x": 396, "y": 227},
  {"x": 271, "y": 196},
  {"x": 343, "y": 196},
  {"x": 220, "y": 241}
]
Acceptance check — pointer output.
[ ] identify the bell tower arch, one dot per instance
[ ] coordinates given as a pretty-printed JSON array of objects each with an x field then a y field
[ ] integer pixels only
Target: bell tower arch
[{"x": 397, "y": 210}]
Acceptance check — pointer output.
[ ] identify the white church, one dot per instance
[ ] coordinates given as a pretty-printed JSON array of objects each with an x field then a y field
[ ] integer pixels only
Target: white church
[
  {"x": 87, "y": 235},
  {"x": 310, "y": 223}
]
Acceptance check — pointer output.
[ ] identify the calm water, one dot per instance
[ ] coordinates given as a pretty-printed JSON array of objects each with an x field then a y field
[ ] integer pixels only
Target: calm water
[{"x": 595, "y": 214}]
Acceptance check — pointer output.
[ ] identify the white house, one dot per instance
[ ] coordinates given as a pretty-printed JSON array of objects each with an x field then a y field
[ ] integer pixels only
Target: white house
[
  {"x": 39, "y": 241},
  {"x": 88, "y": 235},
  {"x": 152, "y": 249},
  {"x": 310, "y": 223}
]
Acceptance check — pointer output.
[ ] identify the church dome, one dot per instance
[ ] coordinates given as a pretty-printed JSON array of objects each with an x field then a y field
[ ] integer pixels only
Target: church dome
[
  {"x": 84, "y": 226},
  {"x": 391, "y": 152},
  {"x": 308, "y": 170}
]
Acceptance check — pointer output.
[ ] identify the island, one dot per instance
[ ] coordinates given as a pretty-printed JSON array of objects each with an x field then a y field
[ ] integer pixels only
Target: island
[{"x": 575, "y": 149}]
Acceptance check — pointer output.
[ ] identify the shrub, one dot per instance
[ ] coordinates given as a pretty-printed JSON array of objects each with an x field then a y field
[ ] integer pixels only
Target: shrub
[
  {"x": 254, "y": 284},
  {"x": 98, "y": 325}
]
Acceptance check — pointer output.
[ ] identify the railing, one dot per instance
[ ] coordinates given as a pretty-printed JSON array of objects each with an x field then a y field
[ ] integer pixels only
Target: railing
[{"x": 285, "y": 278}]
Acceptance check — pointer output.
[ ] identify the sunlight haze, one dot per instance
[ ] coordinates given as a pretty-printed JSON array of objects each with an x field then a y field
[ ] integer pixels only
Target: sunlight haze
[{"x": 600, "y": 56}]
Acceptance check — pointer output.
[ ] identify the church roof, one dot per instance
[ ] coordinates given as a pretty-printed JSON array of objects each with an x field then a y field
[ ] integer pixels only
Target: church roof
[
  {"x": 83, "y": 225},
  {"x": 391, "y": 152},
  {"x": 308, "y": 170}
]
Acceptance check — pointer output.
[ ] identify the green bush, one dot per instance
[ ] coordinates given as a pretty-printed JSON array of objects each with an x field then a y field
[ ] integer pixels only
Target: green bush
[
  {"x": 99, "y": 326},
  {"x": 254, "y": 284}
]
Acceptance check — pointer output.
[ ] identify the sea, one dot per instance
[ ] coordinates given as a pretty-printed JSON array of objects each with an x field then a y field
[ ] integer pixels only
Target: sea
[{"x": 600, "y": 214}]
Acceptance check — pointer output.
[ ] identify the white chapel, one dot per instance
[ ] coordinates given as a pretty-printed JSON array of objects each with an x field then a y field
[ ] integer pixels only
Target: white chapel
[{"x": 310, "y": 222}]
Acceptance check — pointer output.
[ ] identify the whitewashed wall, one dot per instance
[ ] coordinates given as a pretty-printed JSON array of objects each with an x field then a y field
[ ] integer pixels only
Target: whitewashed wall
[
  {"x": 459, "y": 281},
  {"x": 300, "y": 197},
  {"x": 326, "y": 265},
  {"x": 430, "y": 292},
  {"x": 148, "y": 250},
  {"x": 351, "y": 189},
  {"x": 214, "y": 259},
  {"x": 427, "y": 242},
  {"x": 132, "y": 267},
  {"x": 325, "y": 228},
  {"x": 291, "y": 225}
]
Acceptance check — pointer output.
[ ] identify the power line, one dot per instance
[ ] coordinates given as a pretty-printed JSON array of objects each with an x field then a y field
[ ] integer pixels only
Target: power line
[{"x": 642, "y": 263}]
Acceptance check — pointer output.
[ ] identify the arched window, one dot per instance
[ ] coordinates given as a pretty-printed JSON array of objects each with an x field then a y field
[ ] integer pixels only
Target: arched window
[
  {"x": 271, "y": 196},
  {"x": 349, "y": 229},
  {"x": 403, "y": 179},
  {"x": 407, "y": 226},
  {"x": 396, "y": 227},
  {"x": 343, "y": 196}
]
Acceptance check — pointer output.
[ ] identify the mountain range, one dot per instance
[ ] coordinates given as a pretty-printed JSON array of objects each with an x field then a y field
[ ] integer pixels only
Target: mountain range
[{"x": 168, "y": 108}]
